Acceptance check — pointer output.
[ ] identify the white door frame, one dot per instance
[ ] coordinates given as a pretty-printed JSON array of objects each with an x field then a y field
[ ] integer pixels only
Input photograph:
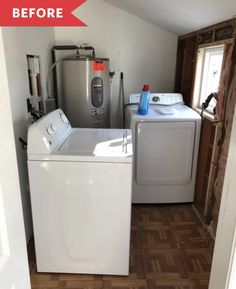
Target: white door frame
[{"x": 14, "y": 270}]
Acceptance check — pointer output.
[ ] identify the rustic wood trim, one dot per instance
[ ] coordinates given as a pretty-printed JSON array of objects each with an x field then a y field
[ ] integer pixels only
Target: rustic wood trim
[
  {"x": 216, "y": 43},
  {"x": 179, "y": 65},
  {"x": 202, "y": 220},
  {"x": 212, "y": 172},
  {"x": 202, "y": 171},
  {"x": 215, "y": 133},
  {"x": 230, "y": 22},
  {"x": 223, "y": 144},
  {"x": 186, "y": 63},
  {"x": 207, "y": 115},
  {"x": 185, "y": 68},
  {"x": 206, "y": 169},
  {"x": 194, "y": 76}
]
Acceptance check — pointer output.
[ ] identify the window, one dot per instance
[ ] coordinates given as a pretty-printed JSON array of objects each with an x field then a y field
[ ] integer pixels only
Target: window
[{"x": 209, "y": 64}]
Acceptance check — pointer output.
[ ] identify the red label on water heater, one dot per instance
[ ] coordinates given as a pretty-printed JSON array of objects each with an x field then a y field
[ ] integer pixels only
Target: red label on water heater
[{"x": 99, "y": 66}]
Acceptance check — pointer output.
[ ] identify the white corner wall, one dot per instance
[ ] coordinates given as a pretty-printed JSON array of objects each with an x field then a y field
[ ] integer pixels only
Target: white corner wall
[
  {"x": 144, "y": 52},
  {"x": 18, "y": 42},
  {"x": 14, "y": 268}
]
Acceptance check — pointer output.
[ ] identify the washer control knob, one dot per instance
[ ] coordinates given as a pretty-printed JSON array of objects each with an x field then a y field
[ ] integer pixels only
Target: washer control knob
[
  {"x": 50, "y": 130},
  {"x": 63, "y": 118},
  {"x": 53, "y": 128},
  {"x": 156, "y": 98}
]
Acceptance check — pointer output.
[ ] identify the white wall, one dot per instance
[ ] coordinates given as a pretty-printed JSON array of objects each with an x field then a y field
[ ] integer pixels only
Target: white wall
[
  {"x": 144, "y": 52},
  {"x": 14, "y": 271},
  {"x": 18, "y": 42}
]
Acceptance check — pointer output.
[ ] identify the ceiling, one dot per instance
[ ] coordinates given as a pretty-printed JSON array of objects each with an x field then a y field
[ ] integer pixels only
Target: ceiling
[{"x": 179, "y": 16}]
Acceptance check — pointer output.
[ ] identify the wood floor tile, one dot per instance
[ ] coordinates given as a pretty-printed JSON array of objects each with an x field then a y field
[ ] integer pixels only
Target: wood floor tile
[
  {"x": 84, "y": 284},
  {"x": 169, "y": 250}
]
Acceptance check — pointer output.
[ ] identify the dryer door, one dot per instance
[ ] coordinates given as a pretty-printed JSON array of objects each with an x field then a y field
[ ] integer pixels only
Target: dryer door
[{"x": 164, "y": 152}]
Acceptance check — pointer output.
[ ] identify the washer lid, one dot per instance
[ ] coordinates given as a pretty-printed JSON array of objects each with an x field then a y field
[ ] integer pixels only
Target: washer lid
[
  {"x": 93, "y": 145},
  {"x": 98, "y": 142}
]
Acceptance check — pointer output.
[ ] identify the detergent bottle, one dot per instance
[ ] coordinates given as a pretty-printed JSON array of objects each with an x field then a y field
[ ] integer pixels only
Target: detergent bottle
[{"x": 144, "y": 100}]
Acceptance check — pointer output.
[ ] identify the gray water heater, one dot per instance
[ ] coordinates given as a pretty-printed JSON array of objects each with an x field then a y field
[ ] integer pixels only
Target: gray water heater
[{"x": 86, "y": 91}]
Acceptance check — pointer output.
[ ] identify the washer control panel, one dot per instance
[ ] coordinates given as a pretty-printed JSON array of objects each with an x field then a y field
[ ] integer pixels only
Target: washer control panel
[
  {"x": 63, "y": 118},
  {"x": 48, "y": 132}
]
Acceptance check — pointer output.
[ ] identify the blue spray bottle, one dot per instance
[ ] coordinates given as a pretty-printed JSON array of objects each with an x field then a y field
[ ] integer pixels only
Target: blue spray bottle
[{"x": 144, "y": 100}]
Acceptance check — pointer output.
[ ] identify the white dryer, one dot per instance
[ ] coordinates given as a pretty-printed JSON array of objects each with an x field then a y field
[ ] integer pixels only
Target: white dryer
[
  {"x": 80, "y": 185},
  {"x": 165, "y": 143}
]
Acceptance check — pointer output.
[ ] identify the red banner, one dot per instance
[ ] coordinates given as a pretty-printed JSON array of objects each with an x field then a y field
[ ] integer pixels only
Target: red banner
[{"x": 39, "y": 13}]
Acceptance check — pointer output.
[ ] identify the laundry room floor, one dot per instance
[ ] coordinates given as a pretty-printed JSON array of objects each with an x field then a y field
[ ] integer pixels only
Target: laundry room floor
[{"x": 170, "y": 249}]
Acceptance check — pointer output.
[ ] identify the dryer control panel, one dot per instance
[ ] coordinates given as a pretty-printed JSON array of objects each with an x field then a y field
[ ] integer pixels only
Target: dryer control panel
[
  {"x": 48, "y": 132},
  {"x": 159, "y": 98}
]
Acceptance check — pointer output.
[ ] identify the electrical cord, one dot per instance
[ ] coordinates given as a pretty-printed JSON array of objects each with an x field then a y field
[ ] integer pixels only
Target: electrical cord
[
  {"x": 77, "y": 54},
  {"x": 36, "y": 114},
  {"x": 23, "y": 143},
  {"x": 208, "y": 100}
]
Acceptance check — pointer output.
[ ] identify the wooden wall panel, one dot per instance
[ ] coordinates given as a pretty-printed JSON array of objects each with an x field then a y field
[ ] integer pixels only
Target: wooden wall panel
[
  {"x": 224, "y": 144},
  {"x": 215, "y": 136},
  {"x": 226, "y": 29},
  {"x": 179, "y": 64},
  {"x": 205, "y": 167},
  {"x": 185, "y": 68}
]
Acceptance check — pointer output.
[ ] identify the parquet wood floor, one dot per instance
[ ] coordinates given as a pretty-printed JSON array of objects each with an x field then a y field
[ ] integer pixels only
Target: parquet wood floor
[{"x": 169, "y": 250}]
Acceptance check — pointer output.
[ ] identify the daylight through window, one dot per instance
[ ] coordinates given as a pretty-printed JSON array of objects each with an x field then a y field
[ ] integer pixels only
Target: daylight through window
[{"x": 208, "y": 73}]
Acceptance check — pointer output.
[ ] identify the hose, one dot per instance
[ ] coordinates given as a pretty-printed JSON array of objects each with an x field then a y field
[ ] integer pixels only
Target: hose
[{"x": 50, "y": 71}]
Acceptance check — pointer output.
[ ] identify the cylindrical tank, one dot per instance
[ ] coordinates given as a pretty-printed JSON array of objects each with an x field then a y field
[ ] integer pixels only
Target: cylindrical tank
[{"x": 86, "y": 91}]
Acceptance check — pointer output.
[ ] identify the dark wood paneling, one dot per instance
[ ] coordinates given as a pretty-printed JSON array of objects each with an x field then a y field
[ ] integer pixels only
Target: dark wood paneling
[
  {"x": 179, "y": 65},
  {"x": 185, "y": 68},
  {"x": 222, "y": 25},
  {"x": 224, "y": 33},
  {"x": 205, "y": 157},
  {"x": 206, "y": 37},
  {"x": 212, "y": 154},
  {"x": 187, "y": 54},
  {"x": 229, "y": 111}
]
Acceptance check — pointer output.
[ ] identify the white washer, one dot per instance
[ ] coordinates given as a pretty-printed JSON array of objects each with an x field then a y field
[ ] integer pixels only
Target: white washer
[
  {"x": 80, "y": 184},
  {"x": 165, "y": 143}
]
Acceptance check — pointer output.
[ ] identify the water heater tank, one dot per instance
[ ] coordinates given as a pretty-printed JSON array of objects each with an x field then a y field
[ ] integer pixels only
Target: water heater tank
[{"x": 86, "y": 91}]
